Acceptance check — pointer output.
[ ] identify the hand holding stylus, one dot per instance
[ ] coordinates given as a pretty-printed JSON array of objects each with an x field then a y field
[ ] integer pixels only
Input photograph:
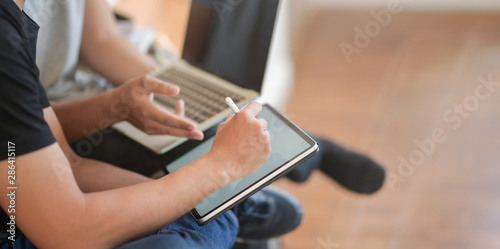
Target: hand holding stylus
[{"x": 242, "y": 143}]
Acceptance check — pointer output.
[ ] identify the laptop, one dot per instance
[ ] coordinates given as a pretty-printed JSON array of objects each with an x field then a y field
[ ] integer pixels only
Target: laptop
[{"x": 225, "y": 53}]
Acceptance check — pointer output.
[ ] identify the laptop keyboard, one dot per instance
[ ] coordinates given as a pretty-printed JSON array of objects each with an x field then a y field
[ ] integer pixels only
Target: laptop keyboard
[{"x": 202, "y": 99}]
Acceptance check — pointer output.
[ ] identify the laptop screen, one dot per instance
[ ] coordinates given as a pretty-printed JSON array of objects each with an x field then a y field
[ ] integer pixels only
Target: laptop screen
[{"x": 231, "y": 39}]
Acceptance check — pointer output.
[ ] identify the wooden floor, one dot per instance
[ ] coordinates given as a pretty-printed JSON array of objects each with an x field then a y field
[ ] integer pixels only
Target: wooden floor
[{"x": 403, "y": 86}]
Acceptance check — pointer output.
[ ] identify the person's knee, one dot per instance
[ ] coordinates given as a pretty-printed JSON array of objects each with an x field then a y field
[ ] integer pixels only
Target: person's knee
[
  {"x": 228, "y": 225},
  {"x": 172, "y": 239},
  {"x": 185, "y": 233}
]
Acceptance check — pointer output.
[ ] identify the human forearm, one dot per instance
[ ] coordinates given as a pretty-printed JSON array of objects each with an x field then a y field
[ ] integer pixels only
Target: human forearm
[
  {"x": 152, "y": 205},
  {"x": 82, "y": 118},
  {"x": 91, "y": 175},
  {"x": 116, "y": 59},
  {"x": 94, "y": 176},
  {"x": 105, "y": 50}
]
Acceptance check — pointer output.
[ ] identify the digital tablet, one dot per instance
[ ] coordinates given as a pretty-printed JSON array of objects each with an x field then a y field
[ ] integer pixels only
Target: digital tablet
[{"x": 290, "y": 146}]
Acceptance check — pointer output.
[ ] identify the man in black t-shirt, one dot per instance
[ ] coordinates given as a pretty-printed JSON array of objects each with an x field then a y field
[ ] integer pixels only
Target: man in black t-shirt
[
  {"x": 56, "y": 206},
  {"x": 22, "y": 99}
]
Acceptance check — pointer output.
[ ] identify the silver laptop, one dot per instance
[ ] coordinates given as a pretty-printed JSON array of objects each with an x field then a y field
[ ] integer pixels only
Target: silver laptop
[{"x": 225, "y": 53}]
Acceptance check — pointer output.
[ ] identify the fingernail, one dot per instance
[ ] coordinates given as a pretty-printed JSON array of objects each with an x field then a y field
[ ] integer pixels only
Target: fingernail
[
  {"x": 197, "y": 136},
  {"x": 174, "y": 90},
  {"x": 190, "y": 126}
]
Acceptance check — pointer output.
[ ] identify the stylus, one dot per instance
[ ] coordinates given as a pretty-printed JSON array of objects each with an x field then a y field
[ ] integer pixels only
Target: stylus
[{"x": 232, "y": 105}]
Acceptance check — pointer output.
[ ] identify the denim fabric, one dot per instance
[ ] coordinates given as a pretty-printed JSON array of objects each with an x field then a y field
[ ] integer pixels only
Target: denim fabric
[
  {"x": 21, "y": 242},
  {"x": 183, "y": 233}
]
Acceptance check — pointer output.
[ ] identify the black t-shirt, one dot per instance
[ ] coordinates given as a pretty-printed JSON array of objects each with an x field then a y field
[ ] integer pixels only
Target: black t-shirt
[{"x": 22, "y": 98}]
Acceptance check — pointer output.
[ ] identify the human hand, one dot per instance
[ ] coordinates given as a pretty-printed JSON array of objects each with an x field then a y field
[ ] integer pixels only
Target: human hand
[
  {"x": 133, "y": 102},
  {"x": 242, "y": 143}
]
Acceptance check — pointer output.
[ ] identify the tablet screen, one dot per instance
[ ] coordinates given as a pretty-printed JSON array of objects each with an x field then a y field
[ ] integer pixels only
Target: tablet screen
[{"x": 286, "y": 143}]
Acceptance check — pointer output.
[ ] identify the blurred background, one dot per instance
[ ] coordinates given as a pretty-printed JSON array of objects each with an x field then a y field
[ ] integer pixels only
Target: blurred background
[{"x": 413, "y": 84}]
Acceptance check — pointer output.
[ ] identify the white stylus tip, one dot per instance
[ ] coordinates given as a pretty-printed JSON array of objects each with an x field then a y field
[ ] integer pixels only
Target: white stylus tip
[{"x": 232, "y": 105}]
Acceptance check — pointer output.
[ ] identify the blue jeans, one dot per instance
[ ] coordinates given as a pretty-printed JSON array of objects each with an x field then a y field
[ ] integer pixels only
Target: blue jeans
[
  {"x": 183, "y": 233},
  {"x": 21, "y": 242}
]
